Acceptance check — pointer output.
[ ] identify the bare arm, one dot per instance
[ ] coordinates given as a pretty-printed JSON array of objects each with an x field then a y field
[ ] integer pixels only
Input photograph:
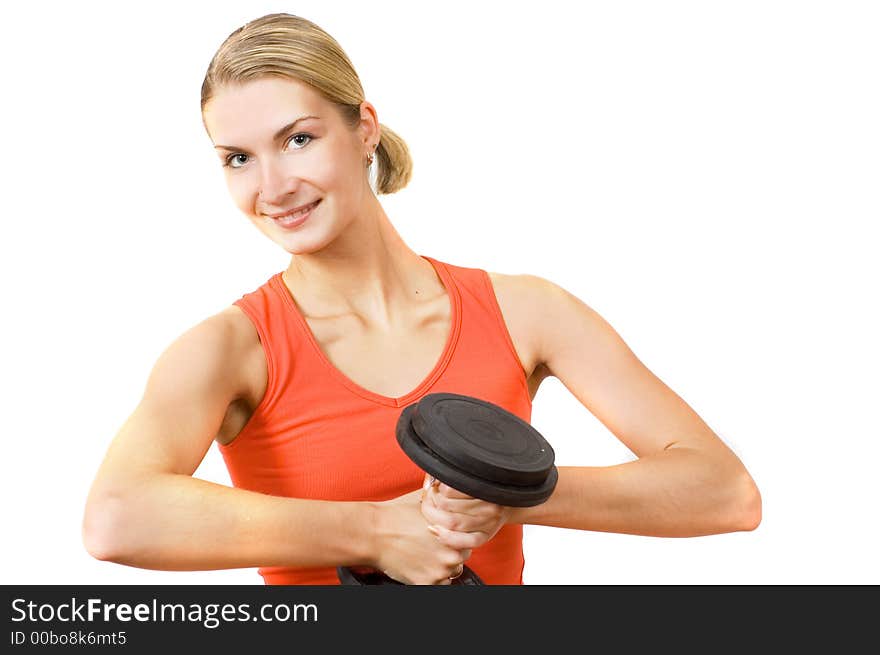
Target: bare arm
[
  {"x": 144, "y": 509},
  {"x": 685, "y": 482}
]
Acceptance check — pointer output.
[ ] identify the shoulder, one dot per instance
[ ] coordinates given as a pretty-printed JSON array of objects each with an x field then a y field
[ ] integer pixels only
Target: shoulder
[
  {"x": 543, "y": 312},
  {"x": 229, "y": 329},
  {"x": 521, "y": 285},
  {"x": 530, "y": 295},
  {"x": 233, "y": 339},
  {"x": 523, "y": 300}
]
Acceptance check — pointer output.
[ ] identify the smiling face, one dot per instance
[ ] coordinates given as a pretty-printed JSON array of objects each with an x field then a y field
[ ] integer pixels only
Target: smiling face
[{"x": 284, "y": 148}]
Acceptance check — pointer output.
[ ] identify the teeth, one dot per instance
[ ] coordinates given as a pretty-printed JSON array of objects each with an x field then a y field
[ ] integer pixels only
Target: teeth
[{"x": 290, "y": 217}]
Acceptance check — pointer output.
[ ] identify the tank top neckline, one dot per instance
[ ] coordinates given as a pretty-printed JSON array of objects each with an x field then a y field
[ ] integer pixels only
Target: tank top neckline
[{"x": 452, "y": 293}]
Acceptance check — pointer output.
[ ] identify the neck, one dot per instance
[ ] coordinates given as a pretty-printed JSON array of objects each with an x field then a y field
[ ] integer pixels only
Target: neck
[{"x": 368, "y": 270}]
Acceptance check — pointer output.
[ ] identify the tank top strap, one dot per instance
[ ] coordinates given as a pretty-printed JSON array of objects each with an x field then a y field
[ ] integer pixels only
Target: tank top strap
[
  {"x": 486, "y": 352},
  {"x": 283, "y": 340}
]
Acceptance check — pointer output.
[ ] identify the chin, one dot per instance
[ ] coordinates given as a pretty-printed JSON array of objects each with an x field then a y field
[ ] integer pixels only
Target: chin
[{"x": 300, "y": 246}]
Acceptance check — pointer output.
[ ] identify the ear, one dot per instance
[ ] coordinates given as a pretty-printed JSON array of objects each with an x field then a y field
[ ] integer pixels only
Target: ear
[{"x": 368, "y": 128}]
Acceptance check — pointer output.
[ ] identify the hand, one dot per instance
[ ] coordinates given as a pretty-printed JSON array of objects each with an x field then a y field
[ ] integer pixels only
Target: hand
[
  {"x": 461, "y": 521},
  {"x": 407, "y": 550}
]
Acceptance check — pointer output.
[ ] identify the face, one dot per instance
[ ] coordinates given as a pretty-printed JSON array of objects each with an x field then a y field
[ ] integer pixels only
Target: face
[{"x": 283, "y": 149}]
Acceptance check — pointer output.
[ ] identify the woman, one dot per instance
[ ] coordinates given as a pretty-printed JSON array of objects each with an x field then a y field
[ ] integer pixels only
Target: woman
[{"x": 301, "y": 381}]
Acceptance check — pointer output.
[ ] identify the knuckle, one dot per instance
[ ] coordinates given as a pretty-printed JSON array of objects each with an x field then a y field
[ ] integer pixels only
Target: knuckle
[
  {"x": 443, "y": 519},
  {"x": 489, "y": 510},
  {"x": 453, "y": 521},
  {"x": 452, "y": 560}
]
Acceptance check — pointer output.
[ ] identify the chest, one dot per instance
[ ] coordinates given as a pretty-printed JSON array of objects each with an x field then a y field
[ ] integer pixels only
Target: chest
[{"x": 391, "y": 360}]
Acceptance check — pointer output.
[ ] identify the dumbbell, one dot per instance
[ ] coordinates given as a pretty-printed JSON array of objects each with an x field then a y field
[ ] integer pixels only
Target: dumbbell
[{"x": 478, "y": 448}]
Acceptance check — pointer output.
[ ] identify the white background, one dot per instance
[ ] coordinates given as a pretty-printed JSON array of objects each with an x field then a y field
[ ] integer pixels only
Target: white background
[{"x": 703, "y": 174}]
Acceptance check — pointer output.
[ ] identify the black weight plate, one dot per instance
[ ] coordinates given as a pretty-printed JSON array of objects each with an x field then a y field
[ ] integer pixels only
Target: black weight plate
[
  {"x": 483, "y": 439},
  {"x": 488, "y": 490},
  {"x": 360, "y": 576}
]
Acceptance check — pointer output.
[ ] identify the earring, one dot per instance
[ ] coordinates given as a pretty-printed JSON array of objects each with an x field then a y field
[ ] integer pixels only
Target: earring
[{"x": 370, "y": 156}]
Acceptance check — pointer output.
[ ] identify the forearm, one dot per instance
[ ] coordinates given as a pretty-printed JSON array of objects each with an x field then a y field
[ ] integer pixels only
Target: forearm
[
  {"x": 676, "y": 493},
  {"x": 176, "y": 522}
]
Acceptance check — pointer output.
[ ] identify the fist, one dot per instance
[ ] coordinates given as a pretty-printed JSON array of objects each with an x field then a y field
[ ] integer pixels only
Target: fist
[{"x": 458, "y": 520}]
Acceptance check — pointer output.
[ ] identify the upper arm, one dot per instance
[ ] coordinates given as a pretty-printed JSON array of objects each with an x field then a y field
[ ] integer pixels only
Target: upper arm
[
  {"x": 589, "y": 357},
  {"x": 183, "y": 405}
]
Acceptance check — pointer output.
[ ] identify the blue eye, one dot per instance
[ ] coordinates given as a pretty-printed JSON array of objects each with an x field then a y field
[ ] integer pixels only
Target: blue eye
[
  {"x": 298, "y": 143},
  {"x": 235, "y": 161}
]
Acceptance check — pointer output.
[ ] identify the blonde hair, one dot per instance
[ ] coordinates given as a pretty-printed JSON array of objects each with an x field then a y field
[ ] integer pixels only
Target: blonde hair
[{"x": 287, "y": 46}]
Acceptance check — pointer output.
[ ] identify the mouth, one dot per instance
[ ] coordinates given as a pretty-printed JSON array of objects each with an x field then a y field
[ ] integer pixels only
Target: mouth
[{"x": 294, "y": 216}]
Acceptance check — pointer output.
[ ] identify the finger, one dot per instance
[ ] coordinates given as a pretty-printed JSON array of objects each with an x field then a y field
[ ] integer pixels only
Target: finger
[
  {"x": 447, "y": 491},
  {"x": 454, "y": 575},
  {"x": 433, "y": 514},
  {"x": 450, "y": 521},
  {"x": 458, "y": 540},
  {"x": 459, "y": 522},
  {"x": 467, "y": 505},
  {"x": 426, "y": 484},
  {"x": 442, "y": 500}
]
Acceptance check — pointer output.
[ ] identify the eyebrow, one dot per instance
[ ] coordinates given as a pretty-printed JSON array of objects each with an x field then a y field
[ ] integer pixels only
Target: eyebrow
[{"x": 280, "y": 133}]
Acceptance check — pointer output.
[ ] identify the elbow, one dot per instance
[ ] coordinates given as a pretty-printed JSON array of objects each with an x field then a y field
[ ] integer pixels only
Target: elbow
[
  {"x": 101, "y": 529},
  {"x": 747, "y": 505}
]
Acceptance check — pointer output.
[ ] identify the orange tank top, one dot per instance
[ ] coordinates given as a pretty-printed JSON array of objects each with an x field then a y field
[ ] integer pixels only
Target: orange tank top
[{"x": 317, "y": 434}]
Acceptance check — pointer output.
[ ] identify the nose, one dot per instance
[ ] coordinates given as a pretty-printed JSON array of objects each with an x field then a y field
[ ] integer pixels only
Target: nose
[{"x": 276, "y": 183}]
